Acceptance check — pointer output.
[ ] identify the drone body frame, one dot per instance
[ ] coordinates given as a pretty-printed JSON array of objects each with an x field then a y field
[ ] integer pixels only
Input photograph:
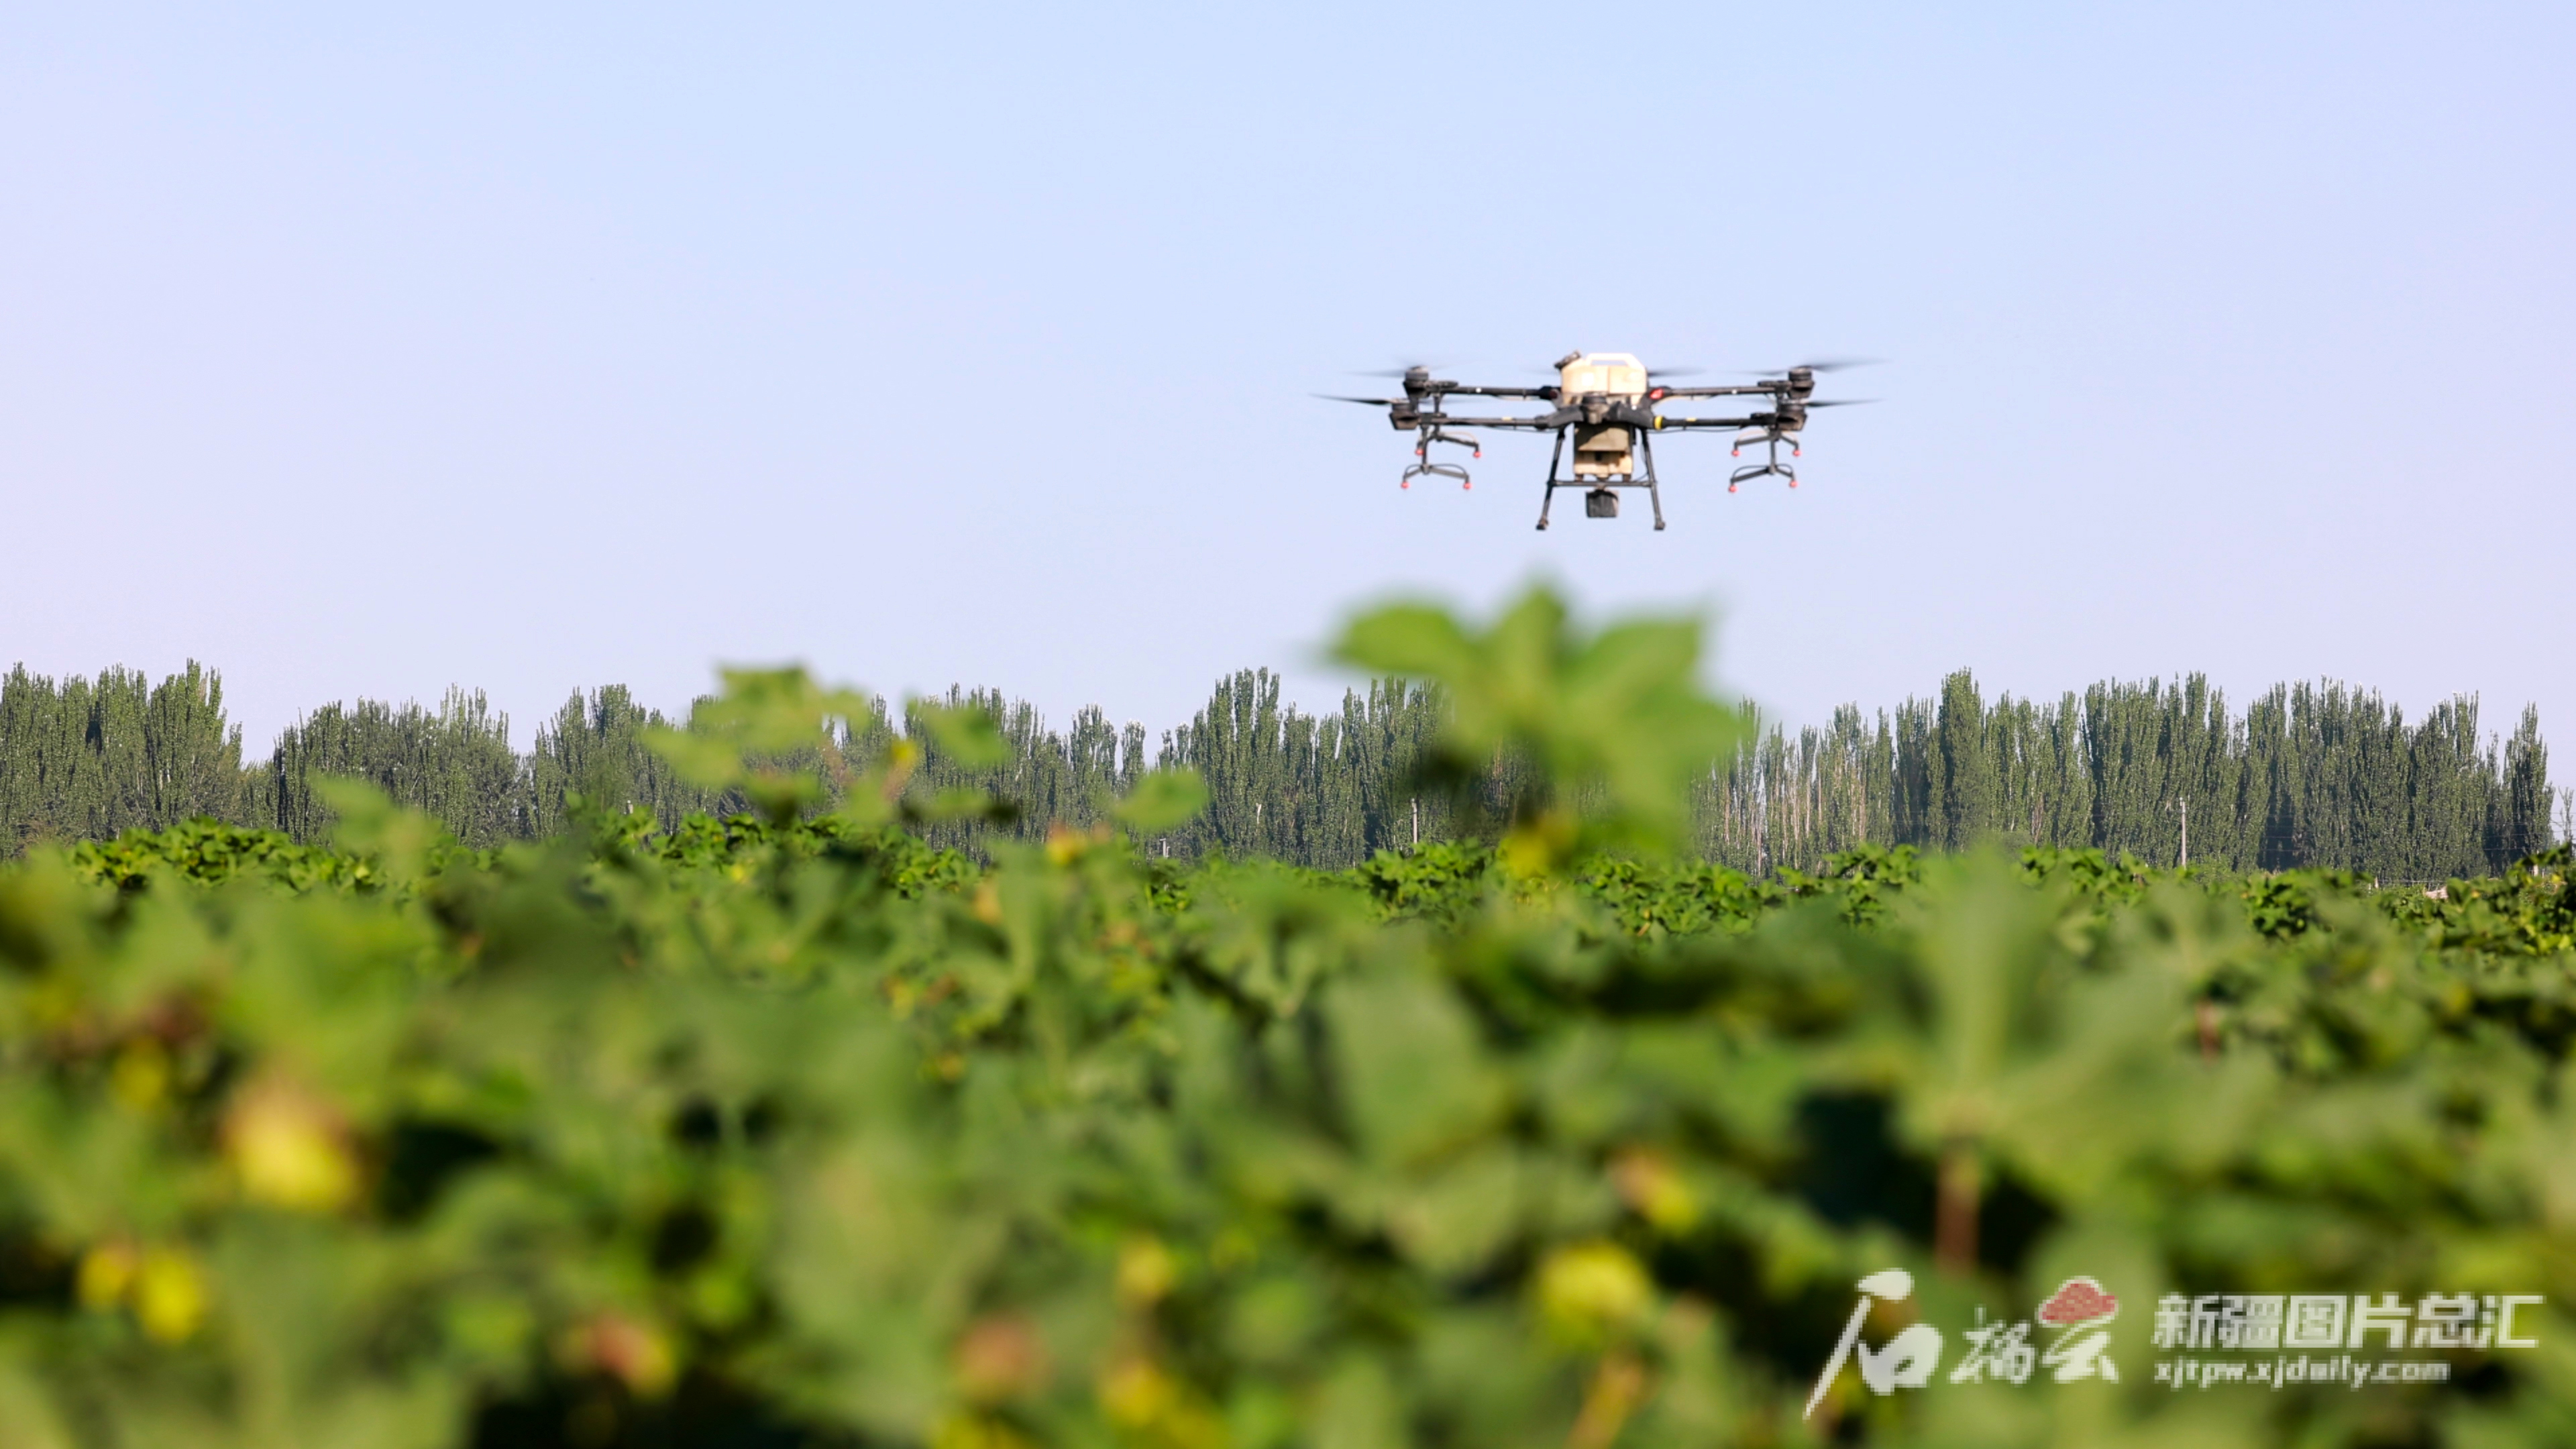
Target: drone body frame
[{"x": 1608, "y": 402}]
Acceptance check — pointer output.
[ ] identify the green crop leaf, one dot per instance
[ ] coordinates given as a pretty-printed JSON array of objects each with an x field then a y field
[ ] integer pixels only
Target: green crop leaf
[
  {"x": 967, "y": 735},
  {"x": 775, "y": 737},
  {"x": 706, "y": 761},
  {"x": 1416, "y": 640},
  {"x": 963, "y": 803},
  {"x": 1163, "y": 800},
  {"x": 774, "y": 711},
  {"x": 403, "y": 843},
  {"x": 1593, "y": 741},
  {"x": 1411, "y": 1072}
]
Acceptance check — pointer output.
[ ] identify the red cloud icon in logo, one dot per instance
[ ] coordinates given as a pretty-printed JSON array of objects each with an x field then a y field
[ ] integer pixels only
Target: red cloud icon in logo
[{"x": 2078, "y": 1300}]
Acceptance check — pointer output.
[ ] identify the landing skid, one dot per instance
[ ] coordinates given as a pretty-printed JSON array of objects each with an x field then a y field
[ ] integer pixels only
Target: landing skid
[
  {"x": 1645, "y": 450},
  {"x": 1771, "y": 462},
  {"x": 1425, "y": 468}
]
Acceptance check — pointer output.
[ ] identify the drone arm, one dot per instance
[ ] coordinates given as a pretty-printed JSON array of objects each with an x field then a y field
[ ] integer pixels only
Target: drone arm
[
  {"x": 1748, "y": 390},
  {"x": 1663, "y": 424},
  {"x": 1541, "y": 423}
]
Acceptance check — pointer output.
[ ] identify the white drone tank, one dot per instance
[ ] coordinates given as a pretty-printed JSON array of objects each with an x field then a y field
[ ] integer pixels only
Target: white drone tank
[{"x": 1603, "y": 450}]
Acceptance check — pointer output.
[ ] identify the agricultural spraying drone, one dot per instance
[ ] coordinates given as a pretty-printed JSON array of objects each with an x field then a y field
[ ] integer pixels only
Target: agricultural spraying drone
[{"x": 1608, "y": 402}]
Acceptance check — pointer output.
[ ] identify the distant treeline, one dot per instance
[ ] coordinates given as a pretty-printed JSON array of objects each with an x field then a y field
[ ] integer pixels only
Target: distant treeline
[{"x": 2310, "y": 774}]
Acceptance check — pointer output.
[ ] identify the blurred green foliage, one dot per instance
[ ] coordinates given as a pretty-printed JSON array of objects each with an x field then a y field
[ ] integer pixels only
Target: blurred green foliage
[{"x": 790, "y": 1129}]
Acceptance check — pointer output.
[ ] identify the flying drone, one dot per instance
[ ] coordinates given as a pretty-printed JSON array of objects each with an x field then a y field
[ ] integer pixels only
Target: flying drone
[{"x": 1608, "y": 401}]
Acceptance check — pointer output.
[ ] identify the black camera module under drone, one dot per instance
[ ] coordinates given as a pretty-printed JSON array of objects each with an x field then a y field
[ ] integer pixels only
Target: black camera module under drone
[{"x": 1609, "y": 403}]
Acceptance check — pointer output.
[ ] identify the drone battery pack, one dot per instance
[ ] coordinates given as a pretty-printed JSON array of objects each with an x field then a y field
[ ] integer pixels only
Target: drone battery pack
[
  {"x": 1600, "y": 503},
  {"x": 1604, "y": 450}
]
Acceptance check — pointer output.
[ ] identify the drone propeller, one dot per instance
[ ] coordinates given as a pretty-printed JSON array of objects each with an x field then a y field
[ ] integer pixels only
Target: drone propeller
[
  {"x": 1375, "y": 402},
  {"x": 1822, "y": 364},
  {"x": 1838, "y": 402},
  {"x": 1422, "y": 367}
]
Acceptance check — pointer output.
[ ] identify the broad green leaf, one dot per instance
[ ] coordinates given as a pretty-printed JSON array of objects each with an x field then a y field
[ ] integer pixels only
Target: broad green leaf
[{"x": 1162, "y": 800}]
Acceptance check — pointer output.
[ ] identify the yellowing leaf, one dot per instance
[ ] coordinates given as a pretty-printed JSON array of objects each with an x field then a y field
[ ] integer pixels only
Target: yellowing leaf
[
  {"x": 1589, "y": 1293},
  {"x": 999, "y": 1356},
  {"x": 1136, "y": 1393},
  {"x": 1654, "y": 1191},
  {"x": 636, "y": 1354},
  {"x": 170, "y": 1297},
  {"x": 289, "y": 1150},
  {"x": 105, "y": 1273},
  {"x": 141, "y": 1077},
  {"x": 1146, "y": 1271}
]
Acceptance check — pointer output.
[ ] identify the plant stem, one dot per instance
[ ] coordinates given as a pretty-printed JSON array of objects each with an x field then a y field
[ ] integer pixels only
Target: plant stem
[{"x": 1954, "y": 1226}]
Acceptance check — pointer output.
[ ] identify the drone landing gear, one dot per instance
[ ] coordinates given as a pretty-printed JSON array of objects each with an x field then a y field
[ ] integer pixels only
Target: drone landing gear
[
  {"x": 1771, "y": 464},
  {"x": 1598, "y": 499},
  {"x": 1654, "y": 495},
  {"x": 1428, "y": 469}
]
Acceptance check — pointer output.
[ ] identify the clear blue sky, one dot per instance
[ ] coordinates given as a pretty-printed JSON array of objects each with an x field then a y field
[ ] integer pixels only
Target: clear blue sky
[{"x": 360, "y": 351}]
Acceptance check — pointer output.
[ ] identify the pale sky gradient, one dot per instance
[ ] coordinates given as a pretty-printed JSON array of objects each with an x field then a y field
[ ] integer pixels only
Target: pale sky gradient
[{"x": 359, "y": 352}]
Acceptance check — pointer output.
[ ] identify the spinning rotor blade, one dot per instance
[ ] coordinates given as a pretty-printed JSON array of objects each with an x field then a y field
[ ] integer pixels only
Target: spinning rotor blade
[
  {"x": 1838, "y": 402},
  {"x": 1375, "y": 402},
  {"x": 1822, "y": 364},
  {"x": 1397, "y": 372}
]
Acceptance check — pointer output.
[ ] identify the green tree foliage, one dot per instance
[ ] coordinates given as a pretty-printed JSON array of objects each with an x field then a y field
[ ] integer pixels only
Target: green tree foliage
[
  {"x": 453, "y": 764},
  {"x": 87, "y": 759},
  {"x": 2310, "y": 775},
  {"x": 2319, "y": 775},
  {"x": 594, "y": 750},
  {"x": 1326, "y": 791},
  {"x": 1046, "y": 778}
]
